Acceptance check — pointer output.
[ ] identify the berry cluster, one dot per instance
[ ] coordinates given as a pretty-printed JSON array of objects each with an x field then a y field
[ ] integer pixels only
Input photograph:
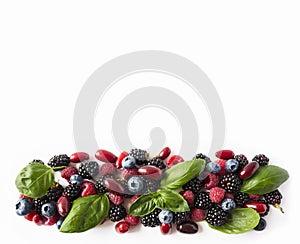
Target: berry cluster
[{"x": 211, "y": 195}]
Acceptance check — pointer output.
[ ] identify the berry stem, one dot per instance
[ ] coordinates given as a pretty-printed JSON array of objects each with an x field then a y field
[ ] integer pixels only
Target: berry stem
[{"x": 279, "y": 207}]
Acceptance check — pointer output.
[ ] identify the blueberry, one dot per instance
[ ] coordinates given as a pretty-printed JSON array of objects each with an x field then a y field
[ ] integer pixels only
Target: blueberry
[
  {"x": 59, "y": 222},
  {"x": 228, "y": 204},
  {"x": 165, "y": 217},
  {"x": 231, "y": 165},
  {"x": 76, "y": 179},
  {"x": 213, "y": 167},
  {"x": 128, "y": 162},
  {"x": 23, "y": 206},
  {"x": 49, "y": 209},
  {"x": 135, "y": 184},
  {"x": 262, "y": 224}
]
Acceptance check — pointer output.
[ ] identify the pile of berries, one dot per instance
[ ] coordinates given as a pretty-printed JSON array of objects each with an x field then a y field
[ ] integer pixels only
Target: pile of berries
[{"x": 124, "y": 178}]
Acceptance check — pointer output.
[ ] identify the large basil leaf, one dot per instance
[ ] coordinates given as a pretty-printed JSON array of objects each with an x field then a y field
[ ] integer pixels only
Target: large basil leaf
[
  {"x": 266, "y": 179},
  {"x": 171, "y": 200},
  {"x": 145, "y": 204},
  {"x": 240, "y": 220},
  {"x": 86, "y": 213},
  {"x": 34, "y": 180},
  {"x": 181, "y": 173}
]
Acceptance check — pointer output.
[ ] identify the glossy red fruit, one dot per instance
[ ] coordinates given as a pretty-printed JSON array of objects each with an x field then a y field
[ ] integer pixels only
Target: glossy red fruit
[
  {"x": 79, "y": 157},
  {"x": 222, "y": 164},
  {"x": 164, "y": 153},
  {"x": 88, "y": 188},
  {"x": 132, "y": 220},
  {"x": 127, "y": 173},
  {"x": 248, "y": 170},
  {"x": 115, "y": 198},
  {"x": 174, "y": 159},
  {"x": 150, "y": 171},
  {"x": 38, "y": 219},
  {"x": 120, "y": 159},
  {"x": 53, "y": 220},
  {"x": 113, "y": 186},
  {"x": 106, "y": 156},
  {"x": 107, "y": 169},
  {"x": 260, "y": 207},
  {"x": 63, "y": 206},
  {"x": 67, "y": 172},
  {"x": 225, "y": 154},
  {"x": 165, "y": 228},
  {"x": 122, "y": 227},
  {"x": 30, "y": 215}
]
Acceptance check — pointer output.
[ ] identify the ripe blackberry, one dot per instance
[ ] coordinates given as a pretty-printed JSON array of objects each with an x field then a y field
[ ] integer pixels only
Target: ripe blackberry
[
  {"x": 100, "y": 184},
  {"x": 273, "y": 197},
  {"x": 216, "y": 216},
  {"x": 55, "y": 192},
  {"x": 117, "y": 213},
  {"x": 72, "y": 191},
  {"x": 179, "y": 217},
  {"x": 243, "y": 161},
  {"x": 195, "y": 185},
  {"x": 157, "y": 162},
  {"x": 38, "y": 203},
  {"x": 151, "y": 219},
  {"x": 140, "y": 155},
  {"x": 202, "y": 201},
  {"x": 88, "y": 169},
  {"x": 231, "y": 183},
  {"x": 261, "y": 159},
  {"x": 202, "y": 156},
  {"x": 151, "y": 185},
  {"x": 36, "y": 161},
  {"x": 59, "y": 160},
  {"x": 241, "y": 198}
]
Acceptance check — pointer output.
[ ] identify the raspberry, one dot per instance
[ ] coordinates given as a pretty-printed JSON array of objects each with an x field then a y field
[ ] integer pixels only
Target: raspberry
[
  {"x": 127, "y": 173},
  {"x": 68, "y": 172},
  {"x": 216, "y": 194},
  {"x": 188, "y": 196},
  {"x": 197, "y": 214},
  {"x": 107, "y": 169},
  {"x": 211, "y": 181},
  {"x": 222, "y": 163},
  {"x": 132, "y": 199},
  {"x": 132, "y": 220},
  {"x": 116, "y": 198}
]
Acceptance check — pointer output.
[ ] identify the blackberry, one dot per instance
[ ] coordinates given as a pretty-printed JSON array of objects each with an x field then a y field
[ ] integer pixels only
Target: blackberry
[
  {"x": 140, "y": 155},
  {"x": 72, "y": 191},
  {"x": 151, "y": 219},
  {"x": 231, "y": 183},
  {"x": 273, "y": 197},
  {"x": 55, "y": 192},
  {"x": 59, "y": 160},
  {"x": 157, "y": 162},
  {"x": 38, "y": 203},
  {"x": 88, "y": 169},
  {"x": 36, "y": 161},
  {"x": 179, "y": 217},
  {"x": 243, "y": 161},
  {"x": 117, "y": 213},
  {"x": 100, "y": 184},
  {"x": 151, "y": 185},
  {"x": 195, "y": 185},
  {"x": 241, "y": 198},
  {"x": 261, "y": 159},
  {"x": 202, "y": 201},
  {"x": 216, "y": 216},
  {"x": 202, "y": 156}
]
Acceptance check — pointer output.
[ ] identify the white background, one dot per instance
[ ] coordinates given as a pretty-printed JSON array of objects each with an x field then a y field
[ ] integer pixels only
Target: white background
[{"x": 249, "y": 49}]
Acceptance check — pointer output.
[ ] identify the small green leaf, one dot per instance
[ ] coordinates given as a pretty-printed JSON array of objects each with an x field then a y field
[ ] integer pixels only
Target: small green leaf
[
  {"x": 181, "y": 173},
  {"x": 86, "y": 213},
  {"x": 266, "y": 179},
  {"x": 240, "y": 220},
  {"x": 171, "y": 200},
  {"x": 34, "y": 180},
  {"x": 145, "y": 204}
]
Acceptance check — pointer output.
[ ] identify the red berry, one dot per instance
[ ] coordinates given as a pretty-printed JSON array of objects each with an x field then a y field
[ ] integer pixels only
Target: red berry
[
  {"x": 30, "y": 215},
  {"x": 260, "y": 207},
  {"x": 38, "y": 219},
  {"x": 197, "y": 214},
  {"x": 222, "y": 163},
  {"x": 174, "y": 159},
  {"x": 115, "y": 198},
  {"x": 127, "y": 173},
  {"x": 211, "y": 180},
  {"x": 132, "y": 220},
  {"x": 225, "y": 154},
  {"x": 164, "y": 153},
  {"x": 132, "y": 199},
  {"x": 188, "y": 196},
  {"x": 106, "y": 156},
  {"x": 122, "y": 227},
  {"x": 79, "y": 157},
  {"x": 88, "y": 188},
  {"x": 254, "y": 197},
  {"x": 150, "y": 171},
  {"x": 216, "y": 194},
  {"x": 120, "y": 159},
  {"x": 113, "y": 185},
  {"x": 107, "y": 169},
  {"x": 66, "y": 173},
  {"x": 63, "y": 205},
  {"x": 248, "y": 170},
  {"x": 165, "y": 228},
  {"x": 23, "y": 196},
  {"x": 53, "y": 220},
  {"x": 229, "y": 195}
]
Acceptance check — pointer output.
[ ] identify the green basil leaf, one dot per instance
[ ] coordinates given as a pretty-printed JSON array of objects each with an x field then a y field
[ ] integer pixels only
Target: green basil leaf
[
  {"x": 266, "y": 179},
  {"x": 171, "y": 200},
  {"x": 145, "y": 204},
  {"x": 34, "y": 180},
  {"x": 181, "y": 173},
  {"x": 240, "y": 220},
  {"x": 86, "y": 213}
]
